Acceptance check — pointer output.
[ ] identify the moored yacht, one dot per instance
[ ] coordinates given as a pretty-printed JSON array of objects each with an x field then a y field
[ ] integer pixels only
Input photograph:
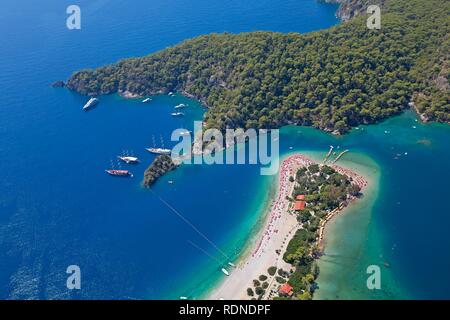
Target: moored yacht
[
  {"x": 92, "y": 102},
  {"x": 159, "y": 150},
  {"x": 128, "y": 159},
  {"x": 119, "y": 173},
  {"x": 177, "y": 114}
]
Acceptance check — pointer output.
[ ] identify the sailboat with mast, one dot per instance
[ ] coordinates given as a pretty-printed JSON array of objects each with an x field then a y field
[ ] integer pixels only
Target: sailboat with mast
[
  {"x": 118, "y": 172},
  {"x": 127, "y": 158},
  {"x": 160, "y": 150}
]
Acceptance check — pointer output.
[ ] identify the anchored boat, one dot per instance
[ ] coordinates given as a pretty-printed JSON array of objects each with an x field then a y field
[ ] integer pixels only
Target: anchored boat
[
  {"x": 159, "y": 150},
  {"x": 128, "y": 159},
  {"x": 91, "y": 103},
  {"x": 119, "y": 173}
]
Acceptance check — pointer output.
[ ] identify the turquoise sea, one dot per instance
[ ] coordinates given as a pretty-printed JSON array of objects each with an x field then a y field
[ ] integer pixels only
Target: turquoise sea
[{"x": 59, "y": 208}]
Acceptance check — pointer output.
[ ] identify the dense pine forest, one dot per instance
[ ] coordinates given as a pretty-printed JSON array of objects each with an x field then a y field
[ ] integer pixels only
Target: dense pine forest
[
  {"x": 333, "y": 79},
  {"x": 160, "y": 166}
]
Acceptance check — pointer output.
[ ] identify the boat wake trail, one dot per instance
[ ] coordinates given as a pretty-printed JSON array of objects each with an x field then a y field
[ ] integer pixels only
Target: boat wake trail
[
  {"x": 191, "y": 225},
  {"x": 205, "y": 252}
]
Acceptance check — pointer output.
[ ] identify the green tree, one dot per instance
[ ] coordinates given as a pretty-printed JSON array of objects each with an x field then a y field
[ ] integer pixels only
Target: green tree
[{"x": 272, "y": 270}]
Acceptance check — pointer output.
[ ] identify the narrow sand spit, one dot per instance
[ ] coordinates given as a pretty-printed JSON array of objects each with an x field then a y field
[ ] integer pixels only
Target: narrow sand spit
[{"x": 279, "y": 227}]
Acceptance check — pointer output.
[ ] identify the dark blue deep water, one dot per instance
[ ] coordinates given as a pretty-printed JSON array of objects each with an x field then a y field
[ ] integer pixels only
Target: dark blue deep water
[{"x": 59, "y": 208}]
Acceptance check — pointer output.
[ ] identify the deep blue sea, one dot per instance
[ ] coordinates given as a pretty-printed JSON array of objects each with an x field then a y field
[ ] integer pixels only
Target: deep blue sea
[{"x": 59, "y": 208}]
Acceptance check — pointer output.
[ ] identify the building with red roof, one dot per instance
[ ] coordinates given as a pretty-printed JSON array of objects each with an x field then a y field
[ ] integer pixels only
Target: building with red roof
[
  {"x": 300, "y": 197},
  {"x": 299, "y": 205},
  {"x": 285, "y": 290}
]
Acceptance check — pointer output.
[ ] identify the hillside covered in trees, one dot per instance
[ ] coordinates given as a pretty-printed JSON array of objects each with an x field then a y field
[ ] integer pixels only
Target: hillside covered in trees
[{"x": 333, "y": 79}]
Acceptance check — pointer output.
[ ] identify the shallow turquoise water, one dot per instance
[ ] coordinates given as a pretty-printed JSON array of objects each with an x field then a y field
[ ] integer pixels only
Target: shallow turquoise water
[
  {"x": 57, "y": 206},
  {"x": 401, "y": 224}
]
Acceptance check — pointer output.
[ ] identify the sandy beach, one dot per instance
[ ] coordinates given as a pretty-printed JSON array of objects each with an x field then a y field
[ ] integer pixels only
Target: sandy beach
[{"x": 279, "y": 227}]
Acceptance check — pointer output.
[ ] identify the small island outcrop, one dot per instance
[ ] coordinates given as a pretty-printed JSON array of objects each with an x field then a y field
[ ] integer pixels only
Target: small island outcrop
[{"x": 160, "y": 166}]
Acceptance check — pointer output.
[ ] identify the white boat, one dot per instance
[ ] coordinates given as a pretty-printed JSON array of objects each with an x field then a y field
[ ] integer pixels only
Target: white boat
[
  {"x": 128, "y": 159},
  {"x": 185, "y": 133},
  {"x": 183, "y": 298},
  {"x": 92, "y": 102},
  {"x": 119, "y": 173},
  {"x": 159, "y": 150},
  {"x": 180, "y": 106},
  {"x": 225, "y": 271},
  {"x": 146, "y": 100},
  {"x": 231, "y": 264},
  {"x": 177, "y": 114},
  {"x": 171, "y": 93}
]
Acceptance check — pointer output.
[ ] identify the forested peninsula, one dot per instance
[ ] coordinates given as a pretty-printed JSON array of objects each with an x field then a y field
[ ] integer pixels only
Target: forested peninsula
[{"x": 333, "y": 79}]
